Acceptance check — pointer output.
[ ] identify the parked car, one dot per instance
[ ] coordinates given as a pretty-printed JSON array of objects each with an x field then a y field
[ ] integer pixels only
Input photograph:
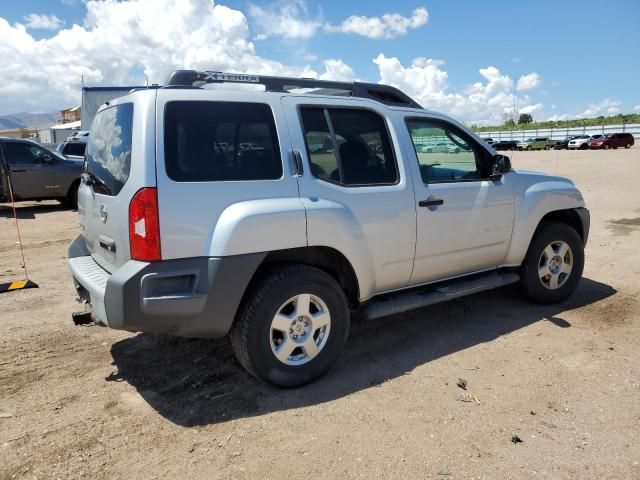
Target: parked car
[
  {"x": 279, "y": 246},
  {"x": 72, "y": 150},
  {"x": 505, "y": 145},
  {"x": 37, "y": 173},
  {"x": 613, "y": 140},
  {"x": 537, "y": 143},
  {"x": 581, "y": 142},
  {"x": 564, "y": 143},
  {"x": 489, "y": 140},
  {"x": 79, "y": 136}
]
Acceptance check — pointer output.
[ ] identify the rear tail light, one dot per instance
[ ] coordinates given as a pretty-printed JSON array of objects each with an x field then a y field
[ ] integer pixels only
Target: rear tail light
[{"x": 144, "y": 227}]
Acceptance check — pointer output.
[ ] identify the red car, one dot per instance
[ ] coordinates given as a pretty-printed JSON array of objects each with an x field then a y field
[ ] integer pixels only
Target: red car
[{"x": 612, "y": 140}]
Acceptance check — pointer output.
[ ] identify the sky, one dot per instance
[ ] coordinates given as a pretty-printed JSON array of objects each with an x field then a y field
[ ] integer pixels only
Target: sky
[{"x": 569, "y": 59}]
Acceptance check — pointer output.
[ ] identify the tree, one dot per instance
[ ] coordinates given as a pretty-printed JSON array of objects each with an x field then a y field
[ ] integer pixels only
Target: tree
[{"x": 525, "y": 118}]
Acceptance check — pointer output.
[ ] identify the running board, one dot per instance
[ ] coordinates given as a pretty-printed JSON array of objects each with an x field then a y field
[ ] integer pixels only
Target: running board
[{"x": 456, "y": 288}]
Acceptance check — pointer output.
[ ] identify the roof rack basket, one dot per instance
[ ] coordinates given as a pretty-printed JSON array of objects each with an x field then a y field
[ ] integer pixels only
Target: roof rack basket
[{"x": 380, "y": 93}]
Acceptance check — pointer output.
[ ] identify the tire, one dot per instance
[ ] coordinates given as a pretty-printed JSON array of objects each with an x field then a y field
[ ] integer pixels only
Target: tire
[
  {"x": 529, "y": 148},
  {"x": 628, "y": 145},
  {"x": 606, "y": 147},
  {"x": 547, "y": 147},
  {"x": 541, "y": 288},
  {"x": 584, "y": 146},
  {"x": 256, "y": 338},
  {"x": 71, "y": 200}
]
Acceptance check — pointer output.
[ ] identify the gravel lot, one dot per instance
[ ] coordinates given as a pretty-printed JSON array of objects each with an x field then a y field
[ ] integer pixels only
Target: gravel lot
[{"x": 91, "y": 402}]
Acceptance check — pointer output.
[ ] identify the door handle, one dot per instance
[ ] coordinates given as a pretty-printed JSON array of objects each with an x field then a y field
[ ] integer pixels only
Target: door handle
[
  {"x": 430, "y": 202},
  {"x": 17, "y": 170}
]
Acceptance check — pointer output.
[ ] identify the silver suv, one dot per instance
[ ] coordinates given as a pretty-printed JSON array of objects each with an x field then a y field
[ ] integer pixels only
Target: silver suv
[{"x": 274, "y": 216}]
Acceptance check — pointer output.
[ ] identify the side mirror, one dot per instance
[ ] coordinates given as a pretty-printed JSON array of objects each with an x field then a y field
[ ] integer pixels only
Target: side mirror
[
  {"x": 499, "y": 165},
  {"x": 46, "y": 158}
]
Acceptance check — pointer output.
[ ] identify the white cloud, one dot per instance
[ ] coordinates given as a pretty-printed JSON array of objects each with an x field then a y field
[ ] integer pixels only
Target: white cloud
[
  {"x": 122, "y": 42},
  {"x": 288, "y": 20},
  {"x": 426, "y": 81},
  {"x": 556, "y": 118},
  {"x": 528, "y": 81},
  {"x": 44, "y": 22},
  {"x": 390, "y": 25},
  {"x": 531, "y": 108},
  {"x": 607, "y": 105},
  {"x": 337, "y": 70},
  {"x": 636, "y": 108}
]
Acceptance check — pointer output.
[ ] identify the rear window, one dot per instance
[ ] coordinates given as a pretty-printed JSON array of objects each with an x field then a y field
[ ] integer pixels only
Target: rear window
[
  {"x": 109, "y": 149},
  {"x": 220, "y": 141},
  {"x": 74, "y": 148}
]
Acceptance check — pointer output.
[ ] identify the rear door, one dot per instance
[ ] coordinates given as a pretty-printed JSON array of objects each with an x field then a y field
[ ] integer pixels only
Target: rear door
[
  {"x": 106, "y": 190},
  {"x": 357, "y": 193}
]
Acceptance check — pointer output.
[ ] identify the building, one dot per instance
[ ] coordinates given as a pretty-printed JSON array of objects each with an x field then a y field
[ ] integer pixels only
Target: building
[
  {"x": 94, "y": 97},
  {"x": 70, "y": 115},
  {"x": 57, "y": 133}
]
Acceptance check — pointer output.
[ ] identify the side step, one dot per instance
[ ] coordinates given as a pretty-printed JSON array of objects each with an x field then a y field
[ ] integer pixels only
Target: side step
[{"x": 404, "y": 302}]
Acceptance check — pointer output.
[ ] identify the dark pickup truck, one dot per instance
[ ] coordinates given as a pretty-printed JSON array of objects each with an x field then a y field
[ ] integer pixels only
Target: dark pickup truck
[{"x": 36, "y": 173}]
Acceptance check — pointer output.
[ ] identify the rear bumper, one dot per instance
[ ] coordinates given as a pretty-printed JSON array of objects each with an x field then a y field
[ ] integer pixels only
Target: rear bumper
[{"x": 191, "y": 297}]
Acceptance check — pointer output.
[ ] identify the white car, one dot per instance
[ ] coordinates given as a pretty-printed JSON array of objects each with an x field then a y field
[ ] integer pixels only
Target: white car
[
  {"x": 581, "y": 142},
  {"x": 79, "y": 136}
]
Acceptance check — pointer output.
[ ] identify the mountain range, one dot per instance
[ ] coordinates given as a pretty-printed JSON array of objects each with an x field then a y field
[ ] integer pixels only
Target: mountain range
[{"x": 28, "y": 120}]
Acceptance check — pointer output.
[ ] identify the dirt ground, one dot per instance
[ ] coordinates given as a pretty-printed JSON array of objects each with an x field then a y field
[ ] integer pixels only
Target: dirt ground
[{"x": 89, "y": 402}]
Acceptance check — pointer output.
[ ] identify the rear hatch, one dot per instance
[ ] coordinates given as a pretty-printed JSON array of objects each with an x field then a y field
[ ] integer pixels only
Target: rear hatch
[{"x": 104, "y": 194}]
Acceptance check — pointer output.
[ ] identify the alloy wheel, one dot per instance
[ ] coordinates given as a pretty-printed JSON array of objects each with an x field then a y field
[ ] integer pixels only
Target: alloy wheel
[
  {"x": 555, "y": 265},
  {"x": 300, "y": 329}
]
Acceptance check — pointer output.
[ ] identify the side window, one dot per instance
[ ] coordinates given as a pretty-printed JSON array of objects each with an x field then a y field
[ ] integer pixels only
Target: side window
[
  {"x": 22, "y": 153},
  {"x": 220, "y": 141},
  {"x": 444, "y": 154},
  {"x": 349, "y": 147}
]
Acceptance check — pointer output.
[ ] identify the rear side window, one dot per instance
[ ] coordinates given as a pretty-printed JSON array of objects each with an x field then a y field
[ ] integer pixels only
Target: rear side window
[
  {"x": 220, "y": 141},
  {"x": 108, "y": 152},
  {"x": 348, "y": 146},
  {"x": 74, "y": 148}
]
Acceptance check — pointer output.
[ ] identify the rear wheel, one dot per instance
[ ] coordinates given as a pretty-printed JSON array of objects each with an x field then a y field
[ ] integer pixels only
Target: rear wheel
[
  {"x": 529, "y": 148},
  {"x": 584, "y": 146},
  {"x": 292, "y": 327},
  {"x": 71, "y": 200},
  {"x": 553, "y": 266},
  {"x": 547, "y": 147},
  {"x": 628, "y": 145},
  {"x": 606, "y": 147}
]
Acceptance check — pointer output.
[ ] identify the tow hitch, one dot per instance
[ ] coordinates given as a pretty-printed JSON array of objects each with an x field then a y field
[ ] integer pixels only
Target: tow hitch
[{"x": 82, "y": 318}]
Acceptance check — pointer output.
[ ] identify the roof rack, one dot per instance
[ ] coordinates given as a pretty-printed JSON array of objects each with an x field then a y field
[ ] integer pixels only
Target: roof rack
[{"x": 380, "y": 93}]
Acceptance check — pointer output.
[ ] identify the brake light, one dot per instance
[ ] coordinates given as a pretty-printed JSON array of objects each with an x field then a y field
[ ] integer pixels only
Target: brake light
[{"x": 144, "y": 226}]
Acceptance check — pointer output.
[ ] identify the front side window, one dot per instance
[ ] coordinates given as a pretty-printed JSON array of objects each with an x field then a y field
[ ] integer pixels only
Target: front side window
[
  {"x": 220, "y": 141},
  {"x": 108, "y": 153},
  {"x": 444, "y": 153},
  {"x": 348, "y": 146},
  {"x": 23, "y": 153}
]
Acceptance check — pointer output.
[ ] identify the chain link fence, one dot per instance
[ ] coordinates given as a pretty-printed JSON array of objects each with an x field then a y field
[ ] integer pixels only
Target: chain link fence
[{"x": 560, "y": 133}]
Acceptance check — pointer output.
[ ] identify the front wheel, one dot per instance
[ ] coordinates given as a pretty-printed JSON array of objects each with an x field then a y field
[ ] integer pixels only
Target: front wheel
[
  {"x": 292, "y": 327},
  {"x": 553, "y": 266},
  {"x": 529, "y": 148}
]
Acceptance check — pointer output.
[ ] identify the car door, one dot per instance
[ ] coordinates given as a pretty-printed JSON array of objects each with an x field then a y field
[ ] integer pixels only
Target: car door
[
  {"x": 356, "y": 191},
  {"x": 464, "y": 219},
  {"x": 30, "y": 170}
]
